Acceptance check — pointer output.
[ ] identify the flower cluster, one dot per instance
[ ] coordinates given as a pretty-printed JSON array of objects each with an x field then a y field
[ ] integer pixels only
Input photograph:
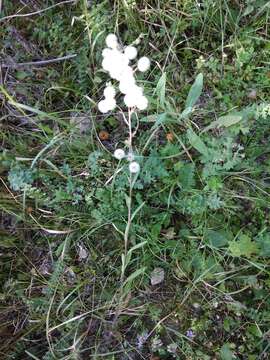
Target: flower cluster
[
  {"x": 120, "y": 154},
  {"x": 116, "y": 61}
]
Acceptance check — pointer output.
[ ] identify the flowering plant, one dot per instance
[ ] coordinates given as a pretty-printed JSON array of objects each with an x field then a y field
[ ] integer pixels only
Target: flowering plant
[{"x": 117, "y": 63}]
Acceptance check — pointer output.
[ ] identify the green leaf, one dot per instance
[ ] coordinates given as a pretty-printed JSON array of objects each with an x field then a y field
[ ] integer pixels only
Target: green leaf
[
  {"x": 243, "y": 247},
  {"x": 158, "y": 118},
  {"x": 134, "y": 275},
  {"x": 225, "y": 353},
  {"x": 21, "y": 75},
  {"x": 217, "y": 239},
  {"x": 195, "y": 92},
  {"x": 161, "y": 88},
  {"x": 137, "y": 246},
  {"x": 264, "y": 244},
  {"x": 196, "y": 142},
  {"x": 137, "y": 210},
  {"x": 248, "y": 10},
  {"x": 6, "y": 241},
  {"x": 186, "y": 175},
  {"x": 226, "y": 121}
]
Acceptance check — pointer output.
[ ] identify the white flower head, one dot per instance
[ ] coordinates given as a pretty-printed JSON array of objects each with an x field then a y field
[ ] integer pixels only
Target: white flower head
[
  {"x": 135, "y": 91},
  {"x": 116, "y": 62},
  {"x": 103, "y": 106},
  {"x": 111, "y": 41},
  {"x": 106, "y": 65},
  {"x": 129, "y": 100},
  {"x": 106, "y": 105},
  {"x": 106, "y": 52},
  {"x": 119, "y": 154},
  {"x": 134, "y": 167},
  {"x": 126, "y": 83},
  {"x": 141, "y": 102},
  {"x": 131, "y": 52},
  {"x": 109, "y": 92},
  {"x": 143, "y": 64},
  {"x": 110, "y": 103}
]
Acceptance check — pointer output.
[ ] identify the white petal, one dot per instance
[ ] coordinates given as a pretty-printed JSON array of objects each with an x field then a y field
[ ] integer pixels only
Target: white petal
[{"x": 143, "y": 64}]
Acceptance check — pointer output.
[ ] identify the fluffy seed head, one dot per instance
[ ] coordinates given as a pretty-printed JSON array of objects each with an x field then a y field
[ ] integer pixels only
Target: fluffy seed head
[
  {"x": 131, "y": 52},
  {"x": 135, "y": 91},
  {"x": 103, "y": 106},
  {"x": 106, "y": 64},
  {"x": 143, "y": 64},
  {"x": 106, "y": 52},
  {"x": 126, "y": 84},
  {"x": 109, "y": 92},
  {"x": 110, "y": 103},
  {"x": 129, "y": 100},
  {"x": 111, "y": 41},
  {"x": 119, "y": 154},
  {"x": 134, "y": 167},
  {"x": 141, "y": 103}
]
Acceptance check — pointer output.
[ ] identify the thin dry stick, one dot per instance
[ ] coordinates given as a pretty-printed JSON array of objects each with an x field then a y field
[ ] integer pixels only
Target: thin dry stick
[
  {"x": 36, "y": 12},
  {"x": 39, "y": 63}
]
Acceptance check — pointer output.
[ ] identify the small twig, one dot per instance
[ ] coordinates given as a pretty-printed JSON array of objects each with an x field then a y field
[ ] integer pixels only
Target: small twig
[
  {"x": 36, "y": 12},
  {"x": 39, "y": 63}
]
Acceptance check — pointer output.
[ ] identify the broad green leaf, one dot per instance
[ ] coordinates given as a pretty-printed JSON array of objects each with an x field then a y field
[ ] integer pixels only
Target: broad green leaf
[
  {"x": 154, "y": 118},
  {"x": 195, "y": 92},
  {"x": 217, "y": 239},
  {"x": 186, "y": 175},
  {"x": 264, "y": 244},
  {"x": 161, "y": 88},
  {"x": 244, "y": 246},
  {"x": 185, "y": 113},
  {"x": 196, "y": 142},
  {"x": 225, "y": 353},
  {"x": 226, "y": 121}
]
